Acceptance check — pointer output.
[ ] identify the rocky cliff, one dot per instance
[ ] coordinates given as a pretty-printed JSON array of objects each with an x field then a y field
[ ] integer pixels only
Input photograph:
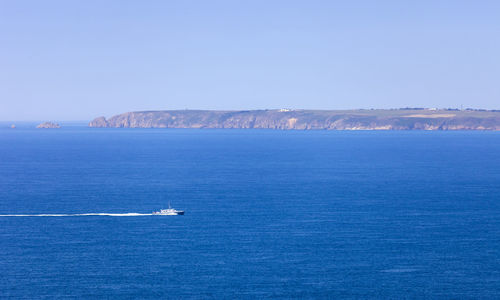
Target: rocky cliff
[
  {"x": 48, "y": 125},
  {"x": 401, "y": 119}
]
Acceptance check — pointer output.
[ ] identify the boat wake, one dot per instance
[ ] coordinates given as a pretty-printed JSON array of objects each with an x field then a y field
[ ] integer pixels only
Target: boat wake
[{"x": 78, "y": 215}]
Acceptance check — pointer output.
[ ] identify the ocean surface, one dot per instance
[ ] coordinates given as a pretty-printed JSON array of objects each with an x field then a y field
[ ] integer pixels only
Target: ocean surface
[{"x": 269, "y": 214}]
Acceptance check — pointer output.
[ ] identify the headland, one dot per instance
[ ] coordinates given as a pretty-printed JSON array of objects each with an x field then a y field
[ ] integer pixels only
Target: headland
[{"x": 361, "y": 119}]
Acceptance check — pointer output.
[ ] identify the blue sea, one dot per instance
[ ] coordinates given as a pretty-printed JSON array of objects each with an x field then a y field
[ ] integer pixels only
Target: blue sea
[{"x": 269, "y": 214}]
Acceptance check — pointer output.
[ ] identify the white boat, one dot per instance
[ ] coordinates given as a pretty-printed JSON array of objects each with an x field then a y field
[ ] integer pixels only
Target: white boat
[{"x": 168, "y": 212}]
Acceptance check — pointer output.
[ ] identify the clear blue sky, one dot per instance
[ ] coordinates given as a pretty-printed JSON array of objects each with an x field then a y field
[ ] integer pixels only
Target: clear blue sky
[{"x": 75, "y": 60}]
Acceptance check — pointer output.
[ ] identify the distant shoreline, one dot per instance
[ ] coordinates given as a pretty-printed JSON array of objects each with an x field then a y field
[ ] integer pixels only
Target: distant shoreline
[{"x": 286, "y": 119}]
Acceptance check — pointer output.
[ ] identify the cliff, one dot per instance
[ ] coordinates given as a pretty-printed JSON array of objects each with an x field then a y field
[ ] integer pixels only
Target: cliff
[
  {"x": 48, "y": 125},
  {"x": 398, "y": 119}
]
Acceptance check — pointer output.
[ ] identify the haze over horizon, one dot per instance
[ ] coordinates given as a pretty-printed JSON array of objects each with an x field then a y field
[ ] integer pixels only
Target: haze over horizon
[{"x": 79, "y": 60}]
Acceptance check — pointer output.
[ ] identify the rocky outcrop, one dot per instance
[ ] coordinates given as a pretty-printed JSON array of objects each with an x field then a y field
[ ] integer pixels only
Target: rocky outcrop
[
  {"x": 48, "y": 125},
  {"x": 99, "y": 122},
  {"x": 307, "y": 119}
]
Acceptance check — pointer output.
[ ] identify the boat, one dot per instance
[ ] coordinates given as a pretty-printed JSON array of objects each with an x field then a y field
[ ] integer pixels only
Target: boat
[{"x": 168, "y": 212}]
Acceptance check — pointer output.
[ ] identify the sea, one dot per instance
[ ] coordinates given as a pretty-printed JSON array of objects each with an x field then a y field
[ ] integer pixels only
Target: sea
[{"x": 269, "y": 214}]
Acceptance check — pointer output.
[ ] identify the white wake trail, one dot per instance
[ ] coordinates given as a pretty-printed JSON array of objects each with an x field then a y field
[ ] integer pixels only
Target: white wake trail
[{"x": 78, "y": 215}]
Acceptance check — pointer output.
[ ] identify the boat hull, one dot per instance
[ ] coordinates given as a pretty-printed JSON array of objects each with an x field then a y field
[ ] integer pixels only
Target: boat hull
[{"x": 168, "y": 214}]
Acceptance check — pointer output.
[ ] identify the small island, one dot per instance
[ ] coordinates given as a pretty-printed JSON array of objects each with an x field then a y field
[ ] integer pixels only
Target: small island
[{"x": 48, "y": 125}]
